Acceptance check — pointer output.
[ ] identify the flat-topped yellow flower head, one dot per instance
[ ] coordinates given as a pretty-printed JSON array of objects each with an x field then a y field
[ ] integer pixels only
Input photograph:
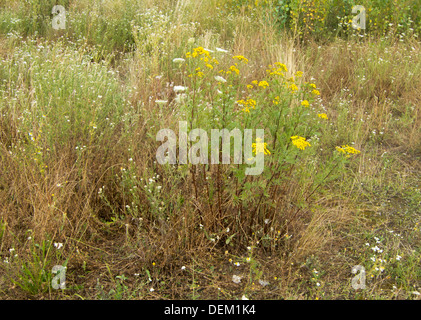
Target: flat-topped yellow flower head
[
  {"x": 300, "y": 142},
  {"x": 305, "y": 103},
  {"x": 260, "y": 147},
  {"x": 346, "y": 149}
]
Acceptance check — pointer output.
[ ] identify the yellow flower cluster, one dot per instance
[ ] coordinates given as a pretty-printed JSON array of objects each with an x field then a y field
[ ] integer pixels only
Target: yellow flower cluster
[
  {"x": 263, "y": 84},
  {"x": 323, "y": 116},
  {"x": 314, "y": 91},
  {"x": 298, "y": 74},
  {"x": 346, "y": 149},
  {"x": 277, "y": 69},
  {"x": 241, "y": 58},
  {"x": 198, "y": 52},
  {"x": 305, "y": 103},
  {"x": 247, "y": 104},
  {"x": 260, "y": 147},
  {"x": 276, "y": 100},
  {"x": 300, "y": 142},
  {"x": 253, "y": 83},
  {"x": 256, "y": 2},
  {"x": 293, "y": 87},
  {"x": 198, "y": 73},
  {"x": 233, "y": 69},
  {"x": 205, "y": 57}
]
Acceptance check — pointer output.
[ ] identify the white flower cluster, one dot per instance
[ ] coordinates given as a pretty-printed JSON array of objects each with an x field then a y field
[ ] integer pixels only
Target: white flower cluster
[{"x": 149, "y": 186}]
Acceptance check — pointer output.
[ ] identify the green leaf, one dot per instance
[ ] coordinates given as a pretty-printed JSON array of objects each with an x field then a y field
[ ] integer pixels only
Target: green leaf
[{"x": 230, "y": 238}]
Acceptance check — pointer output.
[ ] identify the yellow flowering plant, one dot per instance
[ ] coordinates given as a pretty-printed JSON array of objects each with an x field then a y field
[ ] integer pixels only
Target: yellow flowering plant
[{"x": 282, "y": 104}]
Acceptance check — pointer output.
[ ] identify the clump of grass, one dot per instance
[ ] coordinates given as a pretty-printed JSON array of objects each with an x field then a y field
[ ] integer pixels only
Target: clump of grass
[{"x": 30, "y": 265}]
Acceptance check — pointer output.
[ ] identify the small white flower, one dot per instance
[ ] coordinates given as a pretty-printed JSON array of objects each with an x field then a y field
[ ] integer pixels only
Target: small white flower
[
  {"x": 398, "y": 257},
  {"x": 221, "y": 50},
  {"x": 58, "y": 245},
  {"x": 183, "y": 268},
  {"x": 220, "y": 79},
  {"x": 130, "y": 159},
  {"x": 236, "y": 279},
  {"x": 179, "y": 89},
  {"x": 236, "y": 264},
  {"x": 244, "y": 298},
  {"x": 151, "y": 289},
  {"x": 318, "y": 284},
  {"x": 263, "y": 283},
  {"x": 161, "y": 102},
  {"x": 376, "y": 248},
  {"x": 180, "y": 98},
  {"x": 178, "y": 60}
]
